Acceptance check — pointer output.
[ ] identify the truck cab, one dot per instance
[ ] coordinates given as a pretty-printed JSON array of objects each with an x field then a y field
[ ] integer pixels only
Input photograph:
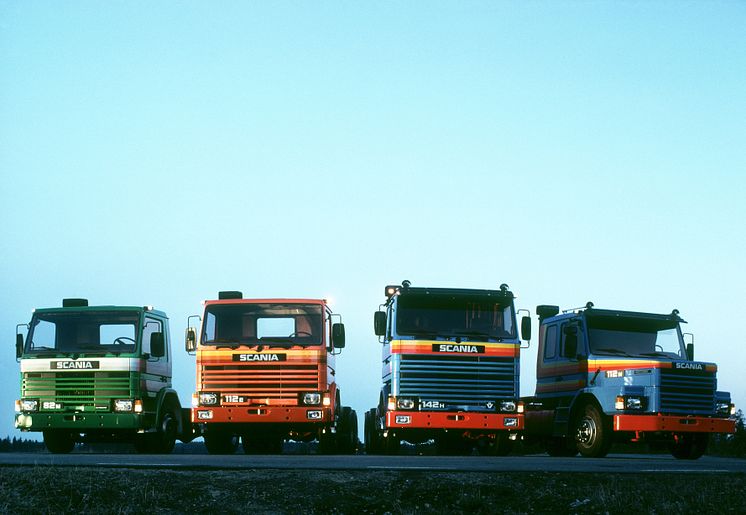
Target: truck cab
[
  {"x": 98, "y": 373},
  {"x": 450, "y": 370},
  {"x": 266, "y": 373},
  {"x": 607, "y": 375}
]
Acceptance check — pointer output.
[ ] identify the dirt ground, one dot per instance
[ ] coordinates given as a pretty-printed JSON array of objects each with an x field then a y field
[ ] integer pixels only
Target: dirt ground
[{"x": 94, "y": 490}]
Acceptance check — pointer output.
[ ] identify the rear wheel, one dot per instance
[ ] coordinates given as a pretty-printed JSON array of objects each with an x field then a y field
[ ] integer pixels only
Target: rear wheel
[
  {"x": 371, "y": 435},
  {"x": 220, "y": 442},
  {"x": 592, "y": 432},
  {"x": 347, "y": 431},
  {"x": 163, "y": 440},
  {"x": 59, "y": 442},
  {"x": 689, "y": 446},
  {"x": 391, "y": 443}
]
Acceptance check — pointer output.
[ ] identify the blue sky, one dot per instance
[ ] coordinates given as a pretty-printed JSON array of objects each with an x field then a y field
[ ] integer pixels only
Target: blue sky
[{"x": 157, "y": 152}]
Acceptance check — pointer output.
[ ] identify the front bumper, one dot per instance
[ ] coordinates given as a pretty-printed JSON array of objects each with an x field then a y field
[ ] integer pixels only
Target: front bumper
[
  {"x": 79, "y": 421},
  {"x": 262, "y": 415},
  {"x": 454, "y": 420},
  {"x": 674, "y": 424}
]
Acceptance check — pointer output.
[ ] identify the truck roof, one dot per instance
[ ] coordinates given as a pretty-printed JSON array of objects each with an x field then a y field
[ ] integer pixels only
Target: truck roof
[
  {"x": 455, "y": 291},
  {"x": 266, "y": 301},
  {"x": 84, "y": 309},
  {"x": 614, "y": 313}
]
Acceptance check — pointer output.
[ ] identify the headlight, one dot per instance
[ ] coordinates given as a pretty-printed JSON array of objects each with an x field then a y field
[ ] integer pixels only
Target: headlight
[
  {"x": 405, "y": 403},
  {"x": 629, "y": 403},
  {"x": 508, "y": 406},
  {"x": 312, "y": 398},
  {"x": 123, "y": 405},
  {"x": 633, "y": 403},
  {"x": 208, "y": 399},
  {"x": 29, "y": 404},
  {"x": 724, "y": 408},
  {"x": 314, "y": 414}
]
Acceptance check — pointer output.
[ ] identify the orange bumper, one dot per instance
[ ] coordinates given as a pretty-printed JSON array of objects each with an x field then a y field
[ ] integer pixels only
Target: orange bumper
[
  {"x": 454, "y": 420},
  {"x": 673, "y": 424},
  {"x": 262, "y": 415}
]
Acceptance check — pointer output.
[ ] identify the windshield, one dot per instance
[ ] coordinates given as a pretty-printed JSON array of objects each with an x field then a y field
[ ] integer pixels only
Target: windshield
[
  {"x": 473, "y": 317},
  {"x": 635, "y": 337},
  {"x": 271, "y": 324},
  {"x": 85, "y": 332}
]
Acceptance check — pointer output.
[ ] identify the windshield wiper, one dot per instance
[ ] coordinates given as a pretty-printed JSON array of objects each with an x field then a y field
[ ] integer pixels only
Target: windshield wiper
[
  {"x": 659, "y": 353},
  {"x": 283, "y": 339},
  {"x": 612, "y": 351},
  {"x": 477, "y": 334}
]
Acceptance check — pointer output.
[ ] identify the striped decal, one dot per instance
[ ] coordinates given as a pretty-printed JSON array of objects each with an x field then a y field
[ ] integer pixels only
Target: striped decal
[{"x": 510, "y": 350}]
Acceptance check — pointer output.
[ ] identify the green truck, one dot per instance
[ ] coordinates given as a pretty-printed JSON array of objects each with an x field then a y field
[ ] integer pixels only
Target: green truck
[{"x": 99, "y": 374}]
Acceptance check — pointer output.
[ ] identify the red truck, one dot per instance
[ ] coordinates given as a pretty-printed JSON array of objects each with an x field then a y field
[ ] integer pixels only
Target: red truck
[{"x": 266, "y": 373}]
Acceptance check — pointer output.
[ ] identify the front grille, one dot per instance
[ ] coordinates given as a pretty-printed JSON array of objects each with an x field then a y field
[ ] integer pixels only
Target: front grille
[
  {"x": 261, "y": 382},
  {"x": 458, "y": 380},
  {"x": 687, "y": 391},
  {"x": 79, "y": 388}
]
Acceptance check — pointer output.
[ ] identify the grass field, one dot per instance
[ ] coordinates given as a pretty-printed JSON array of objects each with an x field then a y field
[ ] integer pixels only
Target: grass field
[{"x": 31, "y": 489}]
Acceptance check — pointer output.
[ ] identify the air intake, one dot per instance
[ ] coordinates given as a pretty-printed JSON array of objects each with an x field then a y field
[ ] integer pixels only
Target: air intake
[
  {"x": 225, "y": 295},
  {"x": 74, "y": 303},
  {"x": 546, "y": 311}
]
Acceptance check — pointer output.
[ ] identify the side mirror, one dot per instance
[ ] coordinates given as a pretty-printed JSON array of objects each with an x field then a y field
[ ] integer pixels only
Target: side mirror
[
  {"x": 19, "y": 346},
  {"x": 526, "y": 328},
  {"x": 379, "y": 323},
  {"x": 157, "y": 345},
  {"x": 690, "y": 351},
  {"x": 190, "y": 339},
  {"x": 338, "y": 335}
]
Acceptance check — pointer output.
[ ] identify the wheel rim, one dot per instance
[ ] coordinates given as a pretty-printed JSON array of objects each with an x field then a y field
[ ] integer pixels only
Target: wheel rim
[{"x": 587, "y": 431}]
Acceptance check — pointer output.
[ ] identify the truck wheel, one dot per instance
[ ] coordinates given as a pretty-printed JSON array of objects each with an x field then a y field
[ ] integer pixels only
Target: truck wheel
[
  {"x": 220, "y": 442},
  {"x": 164, "y": 439},
  {"x": 391, "y": 444},
  {"x": 559, "y": 447},
  {"x": 689, "y": 446},
  {"x": 370, "y": 433},
  {"x": 347, "y": 431},
  {"x": 592, "y": 433},
  {"x": 59, "y": 442},
  {"x": 327, "y": 442}
]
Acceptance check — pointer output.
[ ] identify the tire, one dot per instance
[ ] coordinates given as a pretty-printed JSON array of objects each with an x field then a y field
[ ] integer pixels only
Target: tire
[
  {"x": 391, "y": 444},
  {"x": 592, "y": 432},
  {"x": 689, "y": 446},
  {"x": 163, "y": 440},
  {"x": 328, "y": 443},
  {"x": 370, "y": 433},
  {"x": 220, "y": 442},
  {"x": 347, "y": 431},
  {"x": 559, "y": 447},
  {"x": 59, "y": 442}
]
